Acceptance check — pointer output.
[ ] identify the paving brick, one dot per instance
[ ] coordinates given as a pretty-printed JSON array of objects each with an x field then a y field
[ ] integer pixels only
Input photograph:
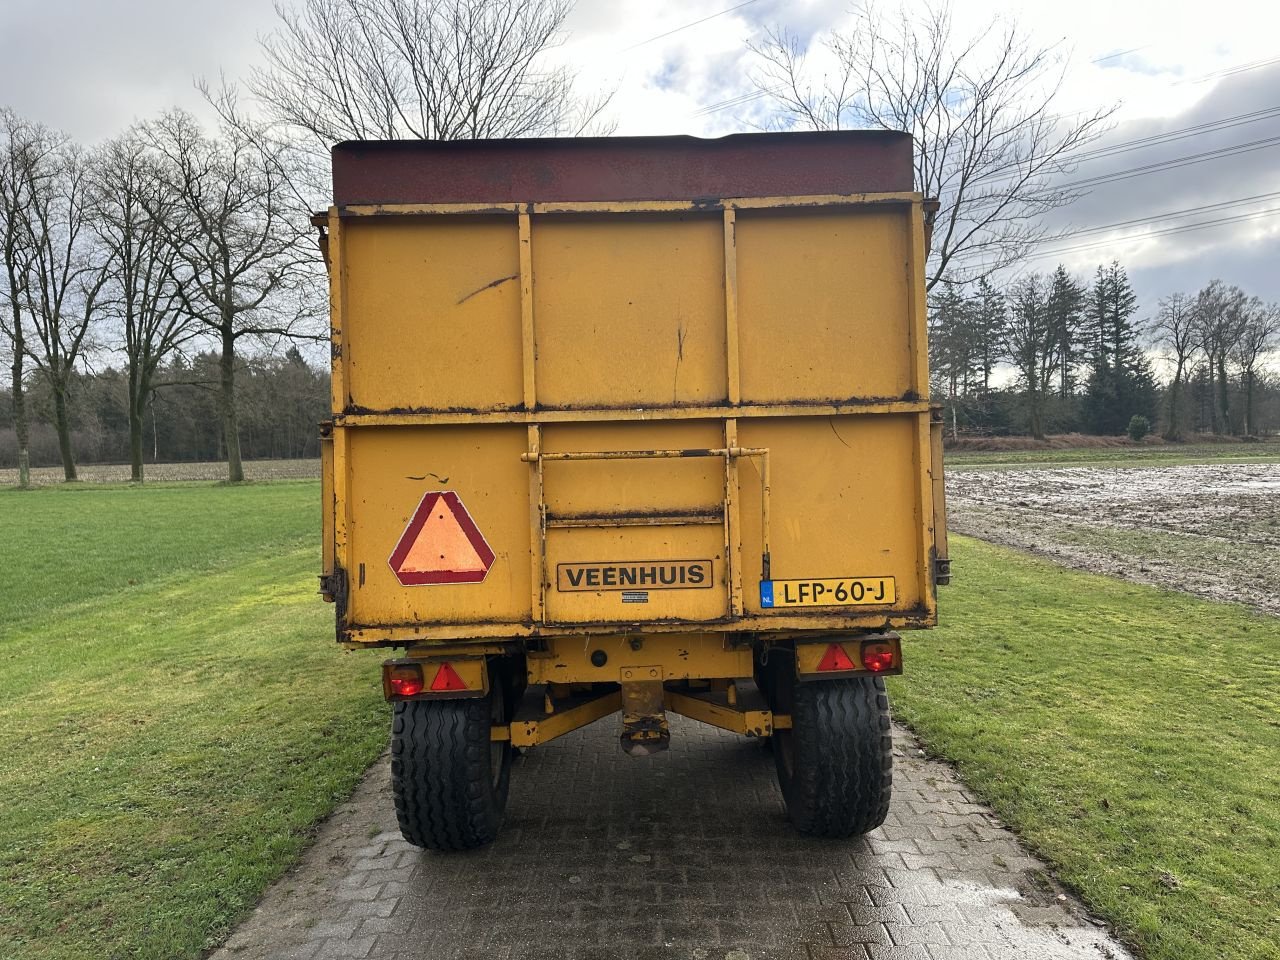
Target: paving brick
[{"x": 683, "y": 856}]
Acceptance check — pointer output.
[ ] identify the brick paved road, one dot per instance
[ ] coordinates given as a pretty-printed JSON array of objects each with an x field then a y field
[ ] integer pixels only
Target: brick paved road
[{"x": 685, "y": 855}]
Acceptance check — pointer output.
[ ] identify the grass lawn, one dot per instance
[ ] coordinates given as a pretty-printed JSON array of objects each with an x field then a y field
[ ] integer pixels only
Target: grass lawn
[
  {"x": 174, "y": 714},
  {"x": 1169, "y": 455},
  {"x": 1129, "y": 734}
]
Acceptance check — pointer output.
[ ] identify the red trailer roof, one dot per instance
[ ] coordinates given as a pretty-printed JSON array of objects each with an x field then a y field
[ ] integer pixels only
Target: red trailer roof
[{"x": 621, "y": 168}]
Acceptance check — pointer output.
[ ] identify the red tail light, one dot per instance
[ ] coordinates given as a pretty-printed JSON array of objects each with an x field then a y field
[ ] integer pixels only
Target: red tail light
[
  {"x": 404, "y": 680},
  {"x": 447, "y": 679},
  {"x": 878, "y": 657}
]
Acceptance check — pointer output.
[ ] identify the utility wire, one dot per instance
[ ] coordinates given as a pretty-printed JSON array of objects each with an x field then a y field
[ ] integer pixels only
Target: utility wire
[
  {"x": 1112, "y": 56},
  {"x": 734, "y": 101},
  {"x": 1174, "y": 164},
  {"x": 1232, "y": 71},
  {"x": 1170, "y": 215},
  {"x": 1156, "y": 139},
  {"x": 1185, "y": 228},
  {"x": 1153, "y": 140},
  {"x": 695, "y": 23}
]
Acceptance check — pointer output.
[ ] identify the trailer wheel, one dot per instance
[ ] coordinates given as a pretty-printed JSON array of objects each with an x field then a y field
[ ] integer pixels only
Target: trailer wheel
[
  {"x": 449, "y": 779},
  {"x": 835, "y": 764}
]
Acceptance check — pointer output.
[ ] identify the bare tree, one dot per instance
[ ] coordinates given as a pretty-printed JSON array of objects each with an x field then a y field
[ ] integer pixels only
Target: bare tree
[
  {"x": 131, "y": 206},
  {"x": 65, "y": 273},
  {"x": 23, "y": 146},
  {"x": 989, "y": 143},
  {"x": 420, "y": 69},
  {"x": 1259, "y": 329},
  {"x": 1174, "y": 329},
  {"x": 1218, "y": 316},
  {"x": 243, "y": 255},
  {"x": 1032, "y": 342}
]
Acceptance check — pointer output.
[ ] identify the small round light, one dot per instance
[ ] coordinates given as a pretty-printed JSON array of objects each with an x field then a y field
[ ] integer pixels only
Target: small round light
[
  {"x": 405, "y": 680},
  {"x": 877, "y": 657}
]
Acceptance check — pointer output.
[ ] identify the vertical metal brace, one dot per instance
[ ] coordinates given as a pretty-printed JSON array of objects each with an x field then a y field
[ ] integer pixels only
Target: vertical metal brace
[
  {"x": 732, "y": 488},
  {"x": 338, "y": 400},
  {"x": 529, "y": 354},
  {"x": 921, "y": 454}
]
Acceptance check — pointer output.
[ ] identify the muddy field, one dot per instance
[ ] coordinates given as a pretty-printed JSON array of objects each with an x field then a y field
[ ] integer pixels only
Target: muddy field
[
  {"x": 119, "y": 473},
  {"x": 1208, "y": 529}
]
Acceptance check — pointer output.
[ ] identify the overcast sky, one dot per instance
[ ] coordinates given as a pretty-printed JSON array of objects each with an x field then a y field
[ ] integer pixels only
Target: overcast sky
[{"x": 90, "y": 67}]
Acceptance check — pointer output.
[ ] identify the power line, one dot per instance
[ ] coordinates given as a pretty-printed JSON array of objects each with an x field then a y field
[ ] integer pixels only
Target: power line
[
  {"x": 1112, "y": 56},
  {"x": 1232, "y": 71},
  {"x": 1170, "y": 215},
  {"x": 1155, "y": 218},
  {"x": 1156, "y": 139},
  {"x": 695, "y": 23},
  {"x": 1174, "y": 164},
  {"x": 734, "y": 101},
  {"x": 1185, "y": 228}
]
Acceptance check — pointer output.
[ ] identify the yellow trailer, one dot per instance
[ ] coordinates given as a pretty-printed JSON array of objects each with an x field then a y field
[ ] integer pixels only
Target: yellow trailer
[{"x": 637, "y": 426}]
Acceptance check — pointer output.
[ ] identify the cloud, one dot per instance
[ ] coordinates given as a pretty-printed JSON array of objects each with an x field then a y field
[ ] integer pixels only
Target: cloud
[{"x": 1244, "y": 250}]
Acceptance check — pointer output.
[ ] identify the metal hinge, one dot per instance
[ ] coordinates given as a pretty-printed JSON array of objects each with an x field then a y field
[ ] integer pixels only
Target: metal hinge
[{"x": 941, "y": 571}]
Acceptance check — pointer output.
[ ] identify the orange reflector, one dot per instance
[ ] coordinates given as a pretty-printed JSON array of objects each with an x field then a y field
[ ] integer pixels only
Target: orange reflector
[
  {"x": 835, "y": 659},
  {"x": 877, "y": 657},
  {"x": 447, "y": 679}
]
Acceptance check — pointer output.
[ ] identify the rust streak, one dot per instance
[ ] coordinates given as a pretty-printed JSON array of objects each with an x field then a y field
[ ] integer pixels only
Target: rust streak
[{"x": 488, "y": 286}]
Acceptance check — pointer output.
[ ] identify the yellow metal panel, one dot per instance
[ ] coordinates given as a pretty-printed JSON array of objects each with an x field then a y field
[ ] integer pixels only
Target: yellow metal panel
[
  {"x": 683, "y": 656},
  {"x": 630, "y": 312},
  {"x": 587, "y": 331},
  {"x": 845, "y": 503},
  {"x": 632, "y": 486},
  {"x": 391, "y": 470},
  {"x": 654, "y": 551},
  {"x": 823, "y": 305},
  {"x": 433, "y": 313}
]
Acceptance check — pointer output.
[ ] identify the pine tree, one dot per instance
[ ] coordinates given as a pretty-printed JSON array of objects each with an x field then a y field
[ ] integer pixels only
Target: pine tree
[
  {"x": 1121, "y": 382},
  {"x": 1066, "y": 314},
  {"x": 951, "y": 348}
]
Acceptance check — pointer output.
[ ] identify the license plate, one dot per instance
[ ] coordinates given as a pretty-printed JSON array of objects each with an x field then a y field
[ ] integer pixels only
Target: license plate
[{"x": 837, "y": 592}]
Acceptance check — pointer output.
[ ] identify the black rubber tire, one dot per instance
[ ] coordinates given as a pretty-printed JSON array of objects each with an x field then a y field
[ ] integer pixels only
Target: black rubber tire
[
  {"x": 450, "y": 782},
  {"x": 835, "y": 765}
]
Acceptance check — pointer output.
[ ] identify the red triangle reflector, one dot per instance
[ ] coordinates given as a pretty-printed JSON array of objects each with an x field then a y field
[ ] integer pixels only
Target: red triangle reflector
[
  {"x": 835, "y": 659},
  {"x": 447, "y": 679}
]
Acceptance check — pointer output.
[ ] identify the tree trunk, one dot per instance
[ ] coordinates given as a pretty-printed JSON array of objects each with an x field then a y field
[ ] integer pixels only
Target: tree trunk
[
  {"x": 1173, "y": 429},
  {"x": 63, "y": 425},
  {"x": 230, "y": 426},
  {"x": 1248, "y": 404},
  {"x": 21, "y": 428},
  {"x": 1223, "y": 400},
  {"x": 135, "y": 443},
  {"x": 137, "y": 398},
  {"x": 1036, "y": 415}
]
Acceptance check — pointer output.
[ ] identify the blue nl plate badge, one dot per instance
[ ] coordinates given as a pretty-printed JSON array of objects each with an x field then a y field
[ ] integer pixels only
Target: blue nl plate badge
[{"x": 766, "y": 593}]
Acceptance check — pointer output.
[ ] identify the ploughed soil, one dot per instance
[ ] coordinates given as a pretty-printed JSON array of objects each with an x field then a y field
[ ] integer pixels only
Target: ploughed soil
[
  {"x": 1208, "y": 529},
  {"x": 165, "y": 472},
  {"x": 1060, "y": 441}
]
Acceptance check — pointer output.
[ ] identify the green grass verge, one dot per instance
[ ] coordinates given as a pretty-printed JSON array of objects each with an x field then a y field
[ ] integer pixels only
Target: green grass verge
[
  {"x": 1171, "y": 455},
  {"x": 174, "y": 714},
  {"x": 1131, "y": 736}
]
